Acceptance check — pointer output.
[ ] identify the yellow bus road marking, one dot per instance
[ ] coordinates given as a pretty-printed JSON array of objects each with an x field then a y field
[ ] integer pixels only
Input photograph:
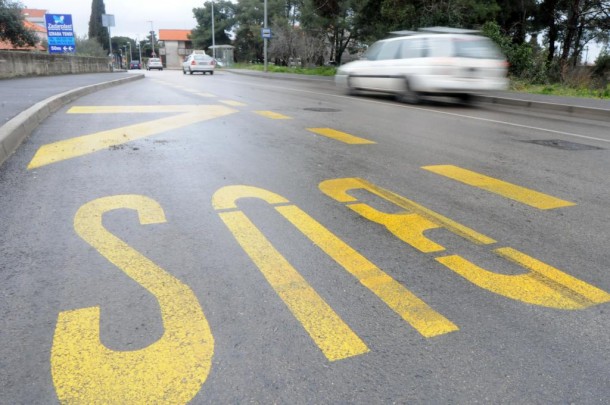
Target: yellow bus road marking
[
  {"x": 340, "y": 136},
  {"x": 543, "y": 285},
  {"x": 517, "y": 193},
  {"x": 273, "y": 115},
  {"x": 338, "y": 190},
  {"x": 171, "y": 369},
  {"x": 414, "y": 311},
  {"x": 83, "y": 145},
  {"x": 334, "y": 338},
  {"x": 233, "y": 103}
]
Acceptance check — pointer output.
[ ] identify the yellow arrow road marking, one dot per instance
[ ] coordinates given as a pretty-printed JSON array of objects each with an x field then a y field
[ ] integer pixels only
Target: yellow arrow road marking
[
  {"x": 517, "y": 193},
  {"x": 83, "y": 145},
  {"x": 340, "y": 136},
  {"x": 130, "y": 109}
]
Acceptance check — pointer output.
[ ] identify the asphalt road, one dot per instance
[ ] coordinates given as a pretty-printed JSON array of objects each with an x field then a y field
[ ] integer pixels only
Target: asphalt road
[{"x": 230, "y": 239}]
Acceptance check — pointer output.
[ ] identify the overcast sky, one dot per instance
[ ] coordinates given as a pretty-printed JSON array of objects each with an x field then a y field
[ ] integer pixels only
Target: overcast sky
[{"x": 131, "y": 17}]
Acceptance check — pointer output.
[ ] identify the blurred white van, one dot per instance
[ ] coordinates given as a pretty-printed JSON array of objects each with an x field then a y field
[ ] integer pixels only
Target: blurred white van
[{"x": 427, "y": 62}]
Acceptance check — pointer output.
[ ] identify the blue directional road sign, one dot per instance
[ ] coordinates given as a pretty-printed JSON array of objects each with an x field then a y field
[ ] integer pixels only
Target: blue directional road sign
[
  {"x": 60, "y": 33},
  {"x": 266, "y": 32}
]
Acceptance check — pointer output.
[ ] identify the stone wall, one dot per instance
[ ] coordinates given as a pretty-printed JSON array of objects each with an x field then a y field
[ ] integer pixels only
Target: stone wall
[{"x": 20, "y": 64}]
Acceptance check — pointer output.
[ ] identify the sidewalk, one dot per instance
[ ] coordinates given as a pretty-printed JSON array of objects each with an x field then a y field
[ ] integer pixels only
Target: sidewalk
[
  {"x": 26, "y": 102},
  {"x": 19, "y": 94}
]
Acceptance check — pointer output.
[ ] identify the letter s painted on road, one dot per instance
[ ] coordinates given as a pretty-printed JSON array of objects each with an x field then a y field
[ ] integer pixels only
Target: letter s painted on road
[{"x": 172, "y": 369}]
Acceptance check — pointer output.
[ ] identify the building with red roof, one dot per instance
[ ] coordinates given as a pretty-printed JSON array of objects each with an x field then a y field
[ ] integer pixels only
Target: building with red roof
[
  {"x": 177, "y": 46},
  {"x": 40, "y": 31}
]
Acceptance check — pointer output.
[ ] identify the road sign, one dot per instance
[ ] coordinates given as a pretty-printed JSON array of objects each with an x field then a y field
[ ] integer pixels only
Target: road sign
[
  {"x": 266, "y": 32},
  {"x": 108, "y": 20},
  {"x": 60, "y": 33}
]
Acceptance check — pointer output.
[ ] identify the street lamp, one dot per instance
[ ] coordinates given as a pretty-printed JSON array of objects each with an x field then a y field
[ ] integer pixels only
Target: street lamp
[{"x": 152, "y": 38}]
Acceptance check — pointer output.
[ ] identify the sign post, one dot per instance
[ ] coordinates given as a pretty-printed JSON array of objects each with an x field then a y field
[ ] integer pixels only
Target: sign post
[
  {"x": 108, "y": 21},
  {"x": 60, "y": 33}
]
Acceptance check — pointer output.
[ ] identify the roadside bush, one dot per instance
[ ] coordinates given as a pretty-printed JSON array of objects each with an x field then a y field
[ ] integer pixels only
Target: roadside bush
[
  {"x": 524, "y": 63},
  {"x": 602, "y": 65},
  {"x": 89, "y": 47}
]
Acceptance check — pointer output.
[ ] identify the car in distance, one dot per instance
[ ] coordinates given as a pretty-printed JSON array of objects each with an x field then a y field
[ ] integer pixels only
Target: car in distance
[
  {"x": 154, "y": 63},
  {"x": 434, "y": 61},
  {"x": 135, "y": 64},
  {"x": 198, "y": 62}
]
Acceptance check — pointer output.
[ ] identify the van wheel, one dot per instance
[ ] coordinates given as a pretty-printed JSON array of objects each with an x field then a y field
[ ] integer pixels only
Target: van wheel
[
  {"x": 408, "y": 95},
  {"x": 351, "y": 90},
  {"x": 465, "y": 99}
]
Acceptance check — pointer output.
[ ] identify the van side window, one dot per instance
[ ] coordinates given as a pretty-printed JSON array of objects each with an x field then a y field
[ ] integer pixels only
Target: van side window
[
  {"x": 439, "y": 47},
  {"x": 390, "y": 50},
  {"x": 413, "y": 48}
]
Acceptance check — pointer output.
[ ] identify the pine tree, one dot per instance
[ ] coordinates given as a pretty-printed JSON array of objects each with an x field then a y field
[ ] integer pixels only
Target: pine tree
[{"x": 96, "y": 29}]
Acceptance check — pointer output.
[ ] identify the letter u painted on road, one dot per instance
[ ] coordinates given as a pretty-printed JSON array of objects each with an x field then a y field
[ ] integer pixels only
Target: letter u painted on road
[
  {"x": 542, "y": 285},
  {"x": 172, "y": 369},
  {"x": 329, "y": 332}
]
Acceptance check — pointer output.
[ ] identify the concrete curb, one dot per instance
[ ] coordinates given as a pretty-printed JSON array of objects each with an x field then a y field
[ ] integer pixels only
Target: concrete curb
[
  {"x": 585, "y": 112},
  {"x": 16, "y": 130}
]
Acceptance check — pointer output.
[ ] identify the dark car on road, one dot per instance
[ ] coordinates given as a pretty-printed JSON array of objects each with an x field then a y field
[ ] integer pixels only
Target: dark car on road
[{"x": 135, "y": 64}]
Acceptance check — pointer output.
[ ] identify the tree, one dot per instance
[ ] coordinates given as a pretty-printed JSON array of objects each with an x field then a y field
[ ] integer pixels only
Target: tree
[
  {"x": 96, "y": 29},
  {"x": 224, "y": 20},
  {"x": 89, "y": 47},
  {"x": 12, "y": 28},
  {"x": 249, "y": 19},
  {"x": 337, "y": 19}
]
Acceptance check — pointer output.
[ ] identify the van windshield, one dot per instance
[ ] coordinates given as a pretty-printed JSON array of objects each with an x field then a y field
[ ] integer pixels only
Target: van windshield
[
  {"x": 478, "y": 48},
  {"x": 372, "y": 52}
]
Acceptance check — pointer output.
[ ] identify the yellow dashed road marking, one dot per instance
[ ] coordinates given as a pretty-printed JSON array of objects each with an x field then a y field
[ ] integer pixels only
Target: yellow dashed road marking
[
  {"x": 340, "y": 136},
  {"x": 517, "y": 193},
  {"x": 273, "y": 115}
]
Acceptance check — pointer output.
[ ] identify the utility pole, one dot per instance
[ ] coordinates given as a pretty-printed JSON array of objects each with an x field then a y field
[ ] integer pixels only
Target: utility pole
[
  {"x": 213, "y": 40},
  {"x": 265, "y": 39}
]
